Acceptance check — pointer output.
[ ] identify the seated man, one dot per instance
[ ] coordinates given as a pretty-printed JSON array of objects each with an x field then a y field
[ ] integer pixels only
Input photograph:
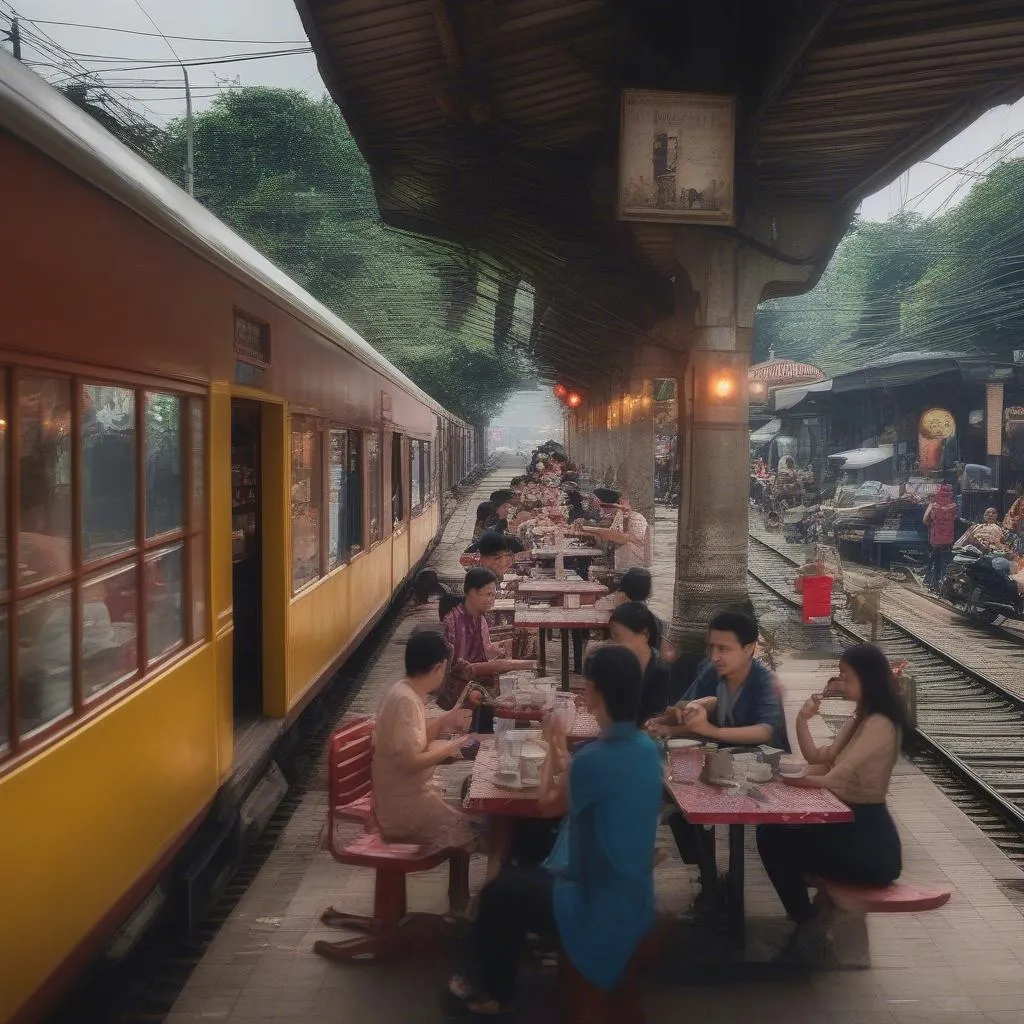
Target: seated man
[
  {"x": 595, "y": 893},
  {"x": 502, "y": 501},
  {"x": 733, "y": 701},
  {"x": 497, "y": 552}
]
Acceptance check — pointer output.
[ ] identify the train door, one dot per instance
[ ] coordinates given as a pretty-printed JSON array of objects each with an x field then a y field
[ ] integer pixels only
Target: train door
[{"x": 246, "y": 550}]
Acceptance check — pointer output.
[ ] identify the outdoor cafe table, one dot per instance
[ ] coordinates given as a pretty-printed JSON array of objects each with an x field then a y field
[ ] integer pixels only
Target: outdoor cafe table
[
  {"x": 704, "y": 804},
  {"x": 588, "y": 591},
  {"x": 565, "y": 619},
  {"x": 487, "y": 797}
]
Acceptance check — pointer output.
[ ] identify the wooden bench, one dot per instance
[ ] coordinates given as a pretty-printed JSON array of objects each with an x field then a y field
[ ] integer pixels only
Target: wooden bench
[{"x": 390, "y": 927}]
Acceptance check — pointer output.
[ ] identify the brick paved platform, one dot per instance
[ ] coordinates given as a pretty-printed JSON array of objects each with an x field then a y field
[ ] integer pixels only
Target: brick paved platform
[{"x": 959, "y": 965}]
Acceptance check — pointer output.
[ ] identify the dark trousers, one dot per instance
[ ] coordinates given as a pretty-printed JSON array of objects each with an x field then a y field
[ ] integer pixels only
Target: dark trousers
[
  {"x": 518, "y": 901},
  {"x": 865, "y": 851},
  {"x": 696, "y": 845},
  {"x": 938, "y": 563}
]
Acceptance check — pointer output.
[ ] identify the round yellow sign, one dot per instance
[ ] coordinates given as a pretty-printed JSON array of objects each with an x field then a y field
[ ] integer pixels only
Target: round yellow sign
[{"x": 937, "y": 424}]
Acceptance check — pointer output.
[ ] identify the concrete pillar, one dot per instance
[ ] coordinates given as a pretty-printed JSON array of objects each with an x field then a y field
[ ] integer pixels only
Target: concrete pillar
[
  {"x": 641, "y": 456},
  {"x": 711, "y": 558}
]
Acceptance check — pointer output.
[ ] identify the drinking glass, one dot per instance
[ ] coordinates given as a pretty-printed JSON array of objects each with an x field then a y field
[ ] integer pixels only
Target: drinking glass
[{"x": 565, "y": 711}]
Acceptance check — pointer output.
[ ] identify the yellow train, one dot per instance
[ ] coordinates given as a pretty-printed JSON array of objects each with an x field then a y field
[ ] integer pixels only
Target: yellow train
[{"x": 212, "y": 489}]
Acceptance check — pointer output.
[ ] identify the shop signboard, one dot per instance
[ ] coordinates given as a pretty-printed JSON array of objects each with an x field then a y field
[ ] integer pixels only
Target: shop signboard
[{"x": 935, "y": 427}]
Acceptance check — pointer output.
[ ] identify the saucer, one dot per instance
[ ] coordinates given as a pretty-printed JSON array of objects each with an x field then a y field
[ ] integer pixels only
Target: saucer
[
  {"x": 510, "y": 781},
  {"x": 684, "y": 744}
]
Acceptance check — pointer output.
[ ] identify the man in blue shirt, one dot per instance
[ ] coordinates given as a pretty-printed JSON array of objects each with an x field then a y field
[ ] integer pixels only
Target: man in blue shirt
[
  {"x": 734, "y": 701},
  {"x": 595, "y": 893}
]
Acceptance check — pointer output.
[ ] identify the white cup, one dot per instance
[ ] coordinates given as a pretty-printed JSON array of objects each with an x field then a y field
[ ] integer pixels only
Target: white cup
[{"x": 531, "y": 760}]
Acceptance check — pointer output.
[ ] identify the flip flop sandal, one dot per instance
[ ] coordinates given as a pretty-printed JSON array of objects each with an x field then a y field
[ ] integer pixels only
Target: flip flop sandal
[{"x": 460, "y": 990}]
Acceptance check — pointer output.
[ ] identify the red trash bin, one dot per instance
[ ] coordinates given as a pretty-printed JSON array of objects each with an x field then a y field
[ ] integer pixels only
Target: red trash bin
[{"x": 817, "y": 600}]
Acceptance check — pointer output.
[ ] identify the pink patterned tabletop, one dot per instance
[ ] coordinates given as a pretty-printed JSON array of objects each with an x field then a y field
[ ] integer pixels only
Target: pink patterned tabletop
[
  {"x": 561, "y": 618},
  {"x": 487, "y": 798},
  {"x": 584, "y": 726},
  {"x": 703, "y": 804}
]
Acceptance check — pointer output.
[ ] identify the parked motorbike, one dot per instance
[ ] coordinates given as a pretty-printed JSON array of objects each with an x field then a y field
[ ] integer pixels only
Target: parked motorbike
[{"x": 973, "y": 585}]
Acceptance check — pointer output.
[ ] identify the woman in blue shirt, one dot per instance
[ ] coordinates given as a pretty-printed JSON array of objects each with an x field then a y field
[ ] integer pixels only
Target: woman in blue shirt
[{"x": 595, "y": 893}]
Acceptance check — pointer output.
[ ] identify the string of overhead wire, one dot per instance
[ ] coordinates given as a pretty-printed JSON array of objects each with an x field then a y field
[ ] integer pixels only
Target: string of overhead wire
[
  {"x": 103, "y": 72},
  {"x": 964, "y": 286},
  {"x": 464, "y": 294},
  {"x": 49, "y": 54}
]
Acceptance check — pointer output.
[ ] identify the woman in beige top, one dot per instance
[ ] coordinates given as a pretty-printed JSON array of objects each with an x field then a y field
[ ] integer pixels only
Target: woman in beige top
[
  {"x": 856, "y": 766},
  {"x": 407, "y": 801}
]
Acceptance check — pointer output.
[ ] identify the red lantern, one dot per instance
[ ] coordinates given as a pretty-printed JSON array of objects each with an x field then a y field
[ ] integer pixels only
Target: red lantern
[
  {"x": 561, "y": 391},
  {"x": 574, "y": 400}
]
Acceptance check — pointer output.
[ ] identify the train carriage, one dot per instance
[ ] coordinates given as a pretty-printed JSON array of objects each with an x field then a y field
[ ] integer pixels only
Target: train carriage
[{"x": 212, "y": 489}]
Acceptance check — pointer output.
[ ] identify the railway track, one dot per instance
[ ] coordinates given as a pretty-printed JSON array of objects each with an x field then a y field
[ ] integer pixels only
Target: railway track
[{"x": 971, "y": 728}]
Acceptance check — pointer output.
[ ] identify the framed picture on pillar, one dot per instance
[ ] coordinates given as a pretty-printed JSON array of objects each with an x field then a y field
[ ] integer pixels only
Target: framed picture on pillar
[{"x": 677, "y": 157}]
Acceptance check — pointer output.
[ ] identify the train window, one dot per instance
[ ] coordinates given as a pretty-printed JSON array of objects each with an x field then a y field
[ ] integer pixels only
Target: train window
[
  {"x": 345, "y": 507},
  {"x": 165, "y": 618},
  {"x": 5, "y": 683},
  {"x": 109, "y": 634},
  {"x": 374, "y": 484},
  {"x": 415, "y": 473},
  {"x": 3, "y": 534},
  {"x": 398, "y": 512},
  {"x": 45, "y": 691},
  {"x": 44, "y": 524},
  {"x": 352, "y": 523},
  {"x": 100, "y": 592},
  {"x": 108, "y": 471},
  {"x": 163, "y": 464},
  {"x": 197, "y": 517},
  {"x": 427, "y": 464},
  {"x": 307, "y": 483}
]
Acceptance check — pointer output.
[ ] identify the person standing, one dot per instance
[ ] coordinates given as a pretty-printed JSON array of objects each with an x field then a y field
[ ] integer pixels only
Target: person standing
[{"x": 940, "y": 518}]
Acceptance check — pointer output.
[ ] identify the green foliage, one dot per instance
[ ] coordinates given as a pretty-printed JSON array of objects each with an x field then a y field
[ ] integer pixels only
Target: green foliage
[
  {"x": 949, "y": 284},
  {"x": 283, "y": 170}
]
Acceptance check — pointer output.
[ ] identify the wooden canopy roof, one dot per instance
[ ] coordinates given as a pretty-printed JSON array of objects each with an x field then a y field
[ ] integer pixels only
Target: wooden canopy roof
[{"x": 494, "y": 124}]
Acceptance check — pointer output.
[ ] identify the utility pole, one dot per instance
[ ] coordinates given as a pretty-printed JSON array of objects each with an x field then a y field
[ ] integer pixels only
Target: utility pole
[
  {"x": 15, "y": 37},
  {"x": 189, "y": 152}
]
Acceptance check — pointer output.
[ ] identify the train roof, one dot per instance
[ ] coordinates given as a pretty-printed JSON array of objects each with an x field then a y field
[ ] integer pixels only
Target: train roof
[{"x": 34, "y": 111}]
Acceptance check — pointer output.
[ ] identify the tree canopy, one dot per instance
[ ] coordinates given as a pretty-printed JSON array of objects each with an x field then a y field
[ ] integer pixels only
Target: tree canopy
[
  {"x": 948, "y": 284},
  {"x": 282, "y": 169}
]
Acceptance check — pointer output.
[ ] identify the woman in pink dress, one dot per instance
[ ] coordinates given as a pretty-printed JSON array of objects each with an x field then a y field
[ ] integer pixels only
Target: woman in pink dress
[{"x": 407, "y": 800}]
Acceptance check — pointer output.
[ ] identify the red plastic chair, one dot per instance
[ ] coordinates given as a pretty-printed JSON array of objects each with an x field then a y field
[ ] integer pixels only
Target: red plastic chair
[
  {"x": 350, "y": 757},
  {"x": 349, "y": 762}
]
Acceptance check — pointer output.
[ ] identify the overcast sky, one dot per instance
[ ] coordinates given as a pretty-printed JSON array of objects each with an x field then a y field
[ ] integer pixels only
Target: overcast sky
[{"x": 925, "y": 188}]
